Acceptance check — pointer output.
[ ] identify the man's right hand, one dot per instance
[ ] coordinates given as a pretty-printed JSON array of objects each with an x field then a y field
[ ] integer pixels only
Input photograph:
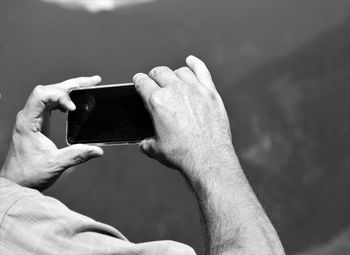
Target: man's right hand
[
  {"x": 192, "y": 134},
  {"x": 189, "y": 116}
]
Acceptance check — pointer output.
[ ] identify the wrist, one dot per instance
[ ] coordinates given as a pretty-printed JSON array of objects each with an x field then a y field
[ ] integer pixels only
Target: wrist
[
  {"x": 210, "y": 161},
  {"x": 11, "y": 172},
  {"x": 4, "y": 173}
]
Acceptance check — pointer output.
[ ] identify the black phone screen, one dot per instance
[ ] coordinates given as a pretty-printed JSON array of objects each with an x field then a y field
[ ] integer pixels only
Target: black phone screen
[{"x": 110, "y": 114}]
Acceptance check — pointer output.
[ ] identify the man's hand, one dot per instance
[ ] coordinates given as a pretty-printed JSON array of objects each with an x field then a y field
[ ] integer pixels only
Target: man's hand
[
  {"x": 33, "y": 159},
  {"x": 189, "y": 116},
  {"x": 192, "y": 134}
]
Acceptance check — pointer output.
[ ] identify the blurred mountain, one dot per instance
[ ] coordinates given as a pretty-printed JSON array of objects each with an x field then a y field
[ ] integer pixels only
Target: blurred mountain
[
  {"x": 339, "y": 245},
  {"x": 291, "y": 125}
]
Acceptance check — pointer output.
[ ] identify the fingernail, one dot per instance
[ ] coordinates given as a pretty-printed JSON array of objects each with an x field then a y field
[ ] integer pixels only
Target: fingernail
[{"x": 138, "y": 75}]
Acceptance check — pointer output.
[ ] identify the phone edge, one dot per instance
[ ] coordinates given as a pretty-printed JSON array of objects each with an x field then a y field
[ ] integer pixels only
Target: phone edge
[{"x": 100, "y": 144}]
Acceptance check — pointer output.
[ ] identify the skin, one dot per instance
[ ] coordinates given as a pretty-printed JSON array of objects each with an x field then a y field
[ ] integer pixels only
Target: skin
[
  {"x": 192, "y": 135},
  {"x": 33, "y": 159}
]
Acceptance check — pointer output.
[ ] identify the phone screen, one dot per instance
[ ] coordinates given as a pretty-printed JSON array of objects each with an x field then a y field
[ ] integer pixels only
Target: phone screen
[{"x": 112, "y": 114}]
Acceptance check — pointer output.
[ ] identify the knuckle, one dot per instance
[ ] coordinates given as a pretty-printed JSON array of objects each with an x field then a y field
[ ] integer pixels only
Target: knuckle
[
  {"x": 19, "y": 122},
  {"x": 155, "y": 99},
  {"x": 178, "y": 86},
  {"x": 19, "y": 116},
  {"x": 208, "y": 93},
  {"x": 213, "y": 95},
  {"x": 202, "y": 90},
  {"x": 78, "y": 80},
  {"x": 183, "y": 70},
  {"x": 39, "y": 90},
  {"x": 139, "y": 80},
  {"x": 70, "y": 83},
  {"x": 158, "y": 71},
  {"x": 80, "y": 158}
]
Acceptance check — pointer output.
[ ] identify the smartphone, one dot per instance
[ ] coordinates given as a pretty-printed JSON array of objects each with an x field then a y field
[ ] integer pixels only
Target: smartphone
[{"x": 108, "y": 115}]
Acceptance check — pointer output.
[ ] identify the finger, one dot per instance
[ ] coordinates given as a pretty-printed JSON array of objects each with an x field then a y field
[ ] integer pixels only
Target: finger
[
  {"x": 145, "y": 86},
  {"x": 164, "y": 248},
  {"x": 77, "y": 154},
  {"x": 79, "y": 82},
  {"x": 185, "y": 74},
  {"x": 201, "y": 71},
  {"x": 46, "y": 98},
  {"x": 148, "y": 146},
  {"x": 164, "y": 76}
]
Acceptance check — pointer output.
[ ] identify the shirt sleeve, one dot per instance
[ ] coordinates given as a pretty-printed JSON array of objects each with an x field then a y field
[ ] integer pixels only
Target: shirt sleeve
[{"x": 43, "y": 225}]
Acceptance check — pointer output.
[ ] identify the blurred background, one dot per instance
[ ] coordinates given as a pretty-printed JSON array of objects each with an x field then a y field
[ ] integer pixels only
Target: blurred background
[{"x": 282, "y": 68}]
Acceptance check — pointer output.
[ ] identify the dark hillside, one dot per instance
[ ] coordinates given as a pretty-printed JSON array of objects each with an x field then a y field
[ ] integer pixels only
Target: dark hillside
[{"x": 292, "y": 117}]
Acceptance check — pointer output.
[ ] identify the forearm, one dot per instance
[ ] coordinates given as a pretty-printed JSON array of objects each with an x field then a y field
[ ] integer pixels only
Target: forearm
[
  {"x": 192, "y": 134},
  {"x": 234, "y": 219}
]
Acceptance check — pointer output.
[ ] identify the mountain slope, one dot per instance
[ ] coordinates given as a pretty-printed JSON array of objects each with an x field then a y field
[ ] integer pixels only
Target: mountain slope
[{"x": 291, "y": 123}]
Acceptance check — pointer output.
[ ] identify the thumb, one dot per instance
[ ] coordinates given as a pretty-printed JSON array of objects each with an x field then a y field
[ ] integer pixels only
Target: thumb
[
  {"x": 148, "y": 146},
  {"x": 77, "y": 154}
]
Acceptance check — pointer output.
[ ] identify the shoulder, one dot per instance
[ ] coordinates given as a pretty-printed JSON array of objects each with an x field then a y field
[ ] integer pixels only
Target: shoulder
[
  {"x": 11, "y": 193},
  {"x": 23, "y": 207},
  {"x": 32, "y": 223}
]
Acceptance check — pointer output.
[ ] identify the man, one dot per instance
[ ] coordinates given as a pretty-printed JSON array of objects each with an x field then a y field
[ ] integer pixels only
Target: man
[{"x": 192, "y": 135}]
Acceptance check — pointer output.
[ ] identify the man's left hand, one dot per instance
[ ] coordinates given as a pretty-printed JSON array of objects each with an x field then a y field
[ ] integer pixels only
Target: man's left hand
[{"x": 33, "y": 159}]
